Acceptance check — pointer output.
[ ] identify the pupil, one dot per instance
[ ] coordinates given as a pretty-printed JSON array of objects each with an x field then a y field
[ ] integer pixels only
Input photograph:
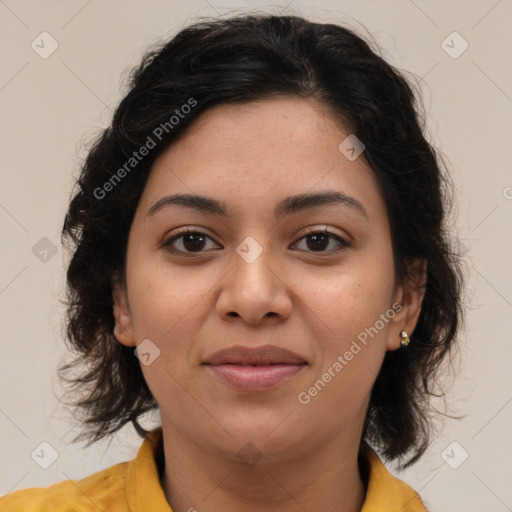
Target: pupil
[
  {"x": 316, "y": 239},
  {"x": 188, "y": 241}
]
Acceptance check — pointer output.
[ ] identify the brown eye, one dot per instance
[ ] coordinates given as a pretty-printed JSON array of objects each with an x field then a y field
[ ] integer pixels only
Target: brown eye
[
  {"x": 187, "y": 242},
  {"x": 319, "y": 241}
]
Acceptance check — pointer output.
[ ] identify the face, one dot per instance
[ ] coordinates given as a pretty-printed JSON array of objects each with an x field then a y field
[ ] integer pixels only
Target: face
[{"x": 314, "y": 277}]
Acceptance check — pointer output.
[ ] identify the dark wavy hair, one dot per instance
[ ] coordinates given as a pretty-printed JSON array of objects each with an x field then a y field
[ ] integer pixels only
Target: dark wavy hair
[{"x": 241, "y": 59}]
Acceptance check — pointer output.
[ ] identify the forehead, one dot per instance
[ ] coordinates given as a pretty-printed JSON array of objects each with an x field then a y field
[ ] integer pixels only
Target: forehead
[
  {"x": 252, "y": 152},
  {"x": 272, "y": 124}
]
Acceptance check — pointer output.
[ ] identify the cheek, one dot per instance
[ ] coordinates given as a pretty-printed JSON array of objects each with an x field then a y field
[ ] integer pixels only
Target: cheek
[
  {"x": 354, "y": 301},
  {"x": 352, "y": 347},
  {"x": 356, "y": 312},
  {"x": 164, "y": 297}
]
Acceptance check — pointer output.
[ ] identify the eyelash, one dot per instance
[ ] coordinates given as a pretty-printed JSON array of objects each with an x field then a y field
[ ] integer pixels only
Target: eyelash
[{"x": 167, "y": 244}]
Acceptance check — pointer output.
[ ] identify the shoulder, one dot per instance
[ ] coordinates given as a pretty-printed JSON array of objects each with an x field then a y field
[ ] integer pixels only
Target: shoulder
[{"x": 104, "y": 490}]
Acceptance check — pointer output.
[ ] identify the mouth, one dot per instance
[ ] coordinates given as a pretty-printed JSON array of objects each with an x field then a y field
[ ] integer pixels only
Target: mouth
[{"x": 255, "y": 369}]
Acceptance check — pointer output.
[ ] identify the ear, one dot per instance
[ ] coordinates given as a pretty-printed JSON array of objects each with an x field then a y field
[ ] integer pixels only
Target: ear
[
  {"x": 409, "y": 295},
  {"x": 123, "y": 330}
]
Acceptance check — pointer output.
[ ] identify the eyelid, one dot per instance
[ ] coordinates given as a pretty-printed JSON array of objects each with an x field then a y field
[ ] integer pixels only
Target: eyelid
[{"x": 323, "y": 228}]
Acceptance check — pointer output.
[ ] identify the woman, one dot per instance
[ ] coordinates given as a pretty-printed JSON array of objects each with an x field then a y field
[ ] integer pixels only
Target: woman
[{"x": 259, "y": 252}]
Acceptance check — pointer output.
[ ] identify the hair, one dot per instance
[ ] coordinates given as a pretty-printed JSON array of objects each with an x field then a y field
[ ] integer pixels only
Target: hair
[{"x": 242, "y": 59}]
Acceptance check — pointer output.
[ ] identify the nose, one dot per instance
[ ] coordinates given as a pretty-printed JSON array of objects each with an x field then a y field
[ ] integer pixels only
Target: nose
[{"x": 254, "y": 289}]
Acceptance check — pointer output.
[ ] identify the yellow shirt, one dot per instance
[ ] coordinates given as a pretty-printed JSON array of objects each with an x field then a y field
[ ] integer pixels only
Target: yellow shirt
[{"x": 134, "y": 486}]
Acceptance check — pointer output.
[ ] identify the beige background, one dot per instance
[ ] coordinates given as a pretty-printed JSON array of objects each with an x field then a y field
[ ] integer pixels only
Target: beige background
[{"x": 51, "y": 107}]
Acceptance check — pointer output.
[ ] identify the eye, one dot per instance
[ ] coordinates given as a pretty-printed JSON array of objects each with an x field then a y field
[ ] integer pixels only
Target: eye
[
  {"x": 193, "y": 241},
  {"x": 319, "y": 241},
  {"x": 190, "y": 241}
]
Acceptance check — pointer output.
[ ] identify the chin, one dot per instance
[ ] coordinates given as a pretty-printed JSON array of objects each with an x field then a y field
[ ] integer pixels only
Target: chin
[{"x": 260, "y": 441}]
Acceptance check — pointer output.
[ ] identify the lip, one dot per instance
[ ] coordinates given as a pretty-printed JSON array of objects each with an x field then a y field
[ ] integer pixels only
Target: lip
[
  {"x": 255, "y": 378},
  {"x": 265, "y": 355},
  {"x": 255, "y": 369}
]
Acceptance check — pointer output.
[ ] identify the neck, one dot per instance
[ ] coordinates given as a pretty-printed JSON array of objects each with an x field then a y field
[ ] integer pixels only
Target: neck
[{"x": 324, "y": 479}]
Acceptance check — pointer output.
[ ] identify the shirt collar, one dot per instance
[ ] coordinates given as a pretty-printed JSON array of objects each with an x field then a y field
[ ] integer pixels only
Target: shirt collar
[
  {"x": 143, "y": 488},
  {"x": 386, "y": 492}
]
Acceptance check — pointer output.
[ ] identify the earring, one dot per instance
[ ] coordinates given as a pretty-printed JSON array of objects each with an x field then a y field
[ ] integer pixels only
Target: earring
[{"x": 405, "y": 339}]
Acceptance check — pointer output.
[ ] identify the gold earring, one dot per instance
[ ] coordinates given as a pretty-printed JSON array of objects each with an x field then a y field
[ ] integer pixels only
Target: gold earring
[{"x": 405, "y": 339}]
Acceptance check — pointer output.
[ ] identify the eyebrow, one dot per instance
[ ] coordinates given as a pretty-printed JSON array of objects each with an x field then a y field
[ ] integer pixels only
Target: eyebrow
[{"x": 287, "y": 206}]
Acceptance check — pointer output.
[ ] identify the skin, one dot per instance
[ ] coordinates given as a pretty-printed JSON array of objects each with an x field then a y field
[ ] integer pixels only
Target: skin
[{"x": 314, "y": 301}]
